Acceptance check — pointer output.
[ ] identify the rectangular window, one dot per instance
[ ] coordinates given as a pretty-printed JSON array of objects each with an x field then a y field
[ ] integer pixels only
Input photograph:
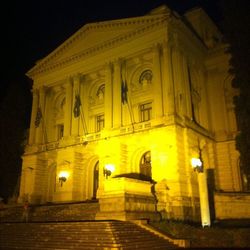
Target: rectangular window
[
  {"x": 60, "y": 130},
  {"x": 99, "y": 122},
  {"x": 146, "y": 111}
]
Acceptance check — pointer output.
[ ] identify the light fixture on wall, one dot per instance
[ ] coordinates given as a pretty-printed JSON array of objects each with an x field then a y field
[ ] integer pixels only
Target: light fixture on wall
[
  {"x": 63, "y": 176},
  {"x": 197, "y": 164},
  {"x": 108, "y": 170}
]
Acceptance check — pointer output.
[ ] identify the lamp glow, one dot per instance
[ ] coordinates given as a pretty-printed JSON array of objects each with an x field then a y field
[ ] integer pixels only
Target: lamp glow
[
  {"x": 63, "y": 176},
  {"x": 196, "y": 164},
  {"x": 108, "y": 170}
]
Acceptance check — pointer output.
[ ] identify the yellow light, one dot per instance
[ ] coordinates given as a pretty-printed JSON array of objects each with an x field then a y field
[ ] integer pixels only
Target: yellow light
[
  {"x": 110, "y": 167},
  {"x": 108, "y": 170},
  {"x": 196, "y": 162},
  {"x": 64, "y": 174}
]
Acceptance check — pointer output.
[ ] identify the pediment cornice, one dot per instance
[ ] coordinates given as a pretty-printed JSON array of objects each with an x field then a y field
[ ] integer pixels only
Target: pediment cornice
[{"x": 144, "y": 24}]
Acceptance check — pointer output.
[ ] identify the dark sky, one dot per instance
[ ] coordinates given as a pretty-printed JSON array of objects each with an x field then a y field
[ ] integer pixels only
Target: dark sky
[{"x": 32, "y": 29}]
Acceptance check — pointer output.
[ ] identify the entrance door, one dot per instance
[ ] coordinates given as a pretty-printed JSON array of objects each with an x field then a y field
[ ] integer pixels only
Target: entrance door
[
  {"x": 145, "y": 164},
  {"x": 95, "y": 179}
]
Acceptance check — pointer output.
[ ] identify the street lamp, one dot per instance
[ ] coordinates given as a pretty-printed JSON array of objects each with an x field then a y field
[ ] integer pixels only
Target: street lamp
[{"x": 197, "y": 165}]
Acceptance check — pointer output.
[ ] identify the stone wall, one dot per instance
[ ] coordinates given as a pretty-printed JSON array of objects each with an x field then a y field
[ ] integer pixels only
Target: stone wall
[
  {"x": 52, "y": 212},
  {"x": 232, "y": 205}
]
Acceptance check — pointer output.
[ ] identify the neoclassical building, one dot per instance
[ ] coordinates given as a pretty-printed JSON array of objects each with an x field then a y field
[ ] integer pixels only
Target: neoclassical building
[{"x": 136, "y": 114}]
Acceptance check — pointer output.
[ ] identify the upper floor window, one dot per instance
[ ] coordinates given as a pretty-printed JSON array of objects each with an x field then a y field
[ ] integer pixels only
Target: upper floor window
[
  {"x": 146, "y": 77},
  {"x": 60, "y": 131},
  {"x": 100, "y": 92},
  {"x": 145, "y": 111},
  {"x": 99, "y": 122}
]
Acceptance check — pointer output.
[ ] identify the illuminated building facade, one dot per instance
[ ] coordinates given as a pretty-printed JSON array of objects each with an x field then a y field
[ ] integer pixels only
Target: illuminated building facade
[{"x": 136, "y": 95}]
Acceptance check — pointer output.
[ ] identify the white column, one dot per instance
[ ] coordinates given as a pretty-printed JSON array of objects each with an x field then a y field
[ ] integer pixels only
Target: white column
[
  {"x": 204, "y": 202},
  {"x": 117, "y": 94},
  {"x": 68, "y": 108},
  {"x": 158, "y": 105},
  {"x": 32, "y": 131},
  {"x": 108, "y": 96}
]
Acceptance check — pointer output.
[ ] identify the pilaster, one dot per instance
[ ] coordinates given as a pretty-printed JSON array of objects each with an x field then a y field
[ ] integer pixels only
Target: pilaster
[
  {"x": 68, "y": 108},
  {"x": 33, "y": 117},
  {"x": 40, "y": 130},
  {"x": 158, "y": 105},
  {"x": 167, "y": 80},
  {"x": 75, "y": 119},
  {"x": 108, "y": 96},
  {"x": 117, "y": 94}
]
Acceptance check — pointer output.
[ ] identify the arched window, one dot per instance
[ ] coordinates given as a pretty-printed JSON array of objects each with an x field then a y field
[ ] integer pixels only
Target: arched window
[
  {"x": 145, "y": 164},
  {"x": 146, "y": 77},
  {"x": 100, "y": 92}
]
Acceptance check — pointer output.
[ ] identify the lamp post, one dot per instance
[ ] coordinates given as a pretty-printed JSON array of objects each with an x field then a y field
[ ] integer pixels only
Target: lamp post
[{"x": 197, "y": 165}]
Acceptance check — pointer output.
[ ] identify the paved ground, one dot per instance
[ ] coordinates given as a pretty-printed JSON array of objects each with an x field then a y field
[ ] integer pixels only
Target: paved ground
[{"x": 219, "y": 236}]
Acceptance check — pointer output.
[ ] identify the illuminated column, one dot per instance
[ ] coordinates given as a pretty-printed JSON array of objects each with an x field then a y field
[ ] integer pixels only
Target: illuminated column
[
  {"x": 68, "y": 108},
  {"x": 167, "y": 81},
  {"x": 33, "y": 117},
  {"x": 204, "y": 203},
  {"x": 117, "y": 94},
  {"x": 158, "y": 109},
  {"x": 197, "y": 164},
  {"x": 75, "y": 119},
  {"x": 40, "y": 130},
  {"x": 108, "y": 96}
]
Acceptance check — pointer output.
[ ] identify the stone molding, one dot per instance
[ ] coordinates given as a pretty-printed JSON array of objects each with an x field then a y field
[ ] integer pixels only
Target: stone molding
[{"x": 150, "y": 24}]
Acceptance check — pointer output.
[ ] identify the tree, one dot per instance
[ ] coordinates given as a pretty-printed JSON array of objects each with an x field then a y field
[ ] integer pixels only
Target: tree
[
  {"x": 14, "y": 119},
  {"x": 236, "y": 26}
]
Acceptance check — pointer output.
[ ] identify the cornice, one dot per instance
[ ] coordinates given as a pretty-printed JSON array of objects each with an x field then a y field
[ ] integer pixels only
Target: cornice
[{"x": 150, "y": 22}]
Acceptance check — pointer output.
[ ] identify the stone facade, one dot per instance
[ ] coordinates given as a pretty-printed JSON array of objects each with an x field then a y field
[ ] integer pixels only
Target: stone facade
[{"x": 137, "y": 95}]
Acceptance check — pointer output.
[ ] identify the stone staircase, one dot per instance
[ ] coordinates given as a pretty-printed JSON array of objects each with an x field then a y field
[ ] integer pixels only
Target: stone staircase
[{"x": 79, "y": 235}]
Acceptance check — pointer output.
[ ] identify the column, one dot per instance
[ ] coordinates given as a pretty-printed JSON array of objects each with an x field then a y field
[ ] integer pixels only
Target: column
[
  {"x": 204, "y": 202},
  {"x": 68, "y": 108},
  {"x": 167, "y": 81},
  {"x": 75, "y": 119},
  {"x": 108, "y": 96},
  {"x": 187, "y": 88},
  {"x": 32, "y": 131},
  {"x": 40, "y": 130},
  {"x": 158, "y": 108},
  {"x": 117, "y": 94},
  {"x": 178, "y": 80}
]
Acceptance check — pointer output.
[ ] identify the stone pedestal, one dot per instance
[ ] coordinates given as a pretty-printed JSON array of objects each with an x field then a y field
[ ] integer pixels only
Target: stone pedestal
[{"x": 127, "y": 199}]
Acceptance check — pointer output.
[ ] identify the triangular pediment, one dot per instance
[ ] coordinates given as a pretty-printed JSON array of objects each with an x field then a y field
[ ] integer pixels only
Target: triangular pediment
[{"x": 92, "y": 36}]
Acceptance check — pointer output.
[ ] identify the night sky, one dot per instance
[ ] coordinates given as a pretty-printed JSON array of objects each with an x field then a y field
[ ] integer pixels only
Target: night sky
[{"x": 32, "y": 29}]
